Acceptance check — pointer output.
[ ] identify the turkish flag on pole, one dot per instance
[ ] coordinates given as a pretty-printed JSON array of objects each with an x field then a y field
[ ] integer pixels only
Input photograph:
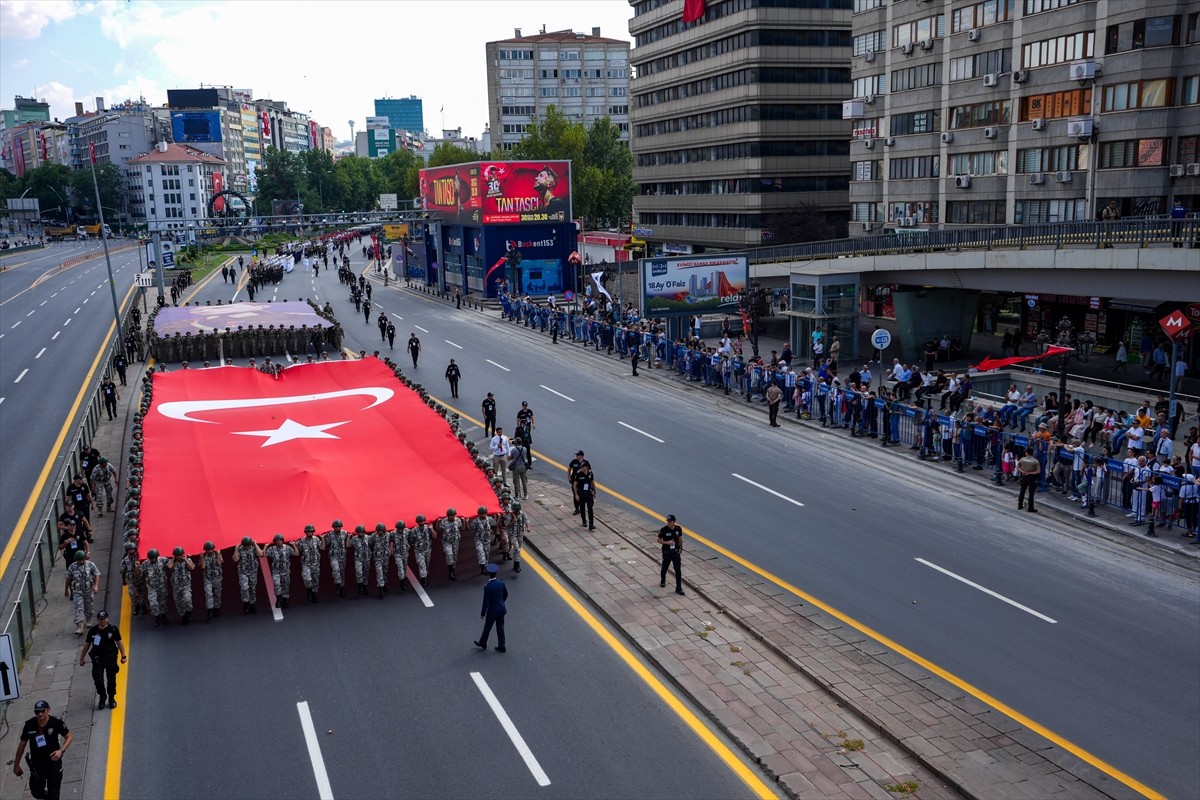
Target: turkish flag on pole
[
  {"x": 233, "y": 452},
  {"x": 92, "y": 152},
  {"x": 693, "y": 10}
]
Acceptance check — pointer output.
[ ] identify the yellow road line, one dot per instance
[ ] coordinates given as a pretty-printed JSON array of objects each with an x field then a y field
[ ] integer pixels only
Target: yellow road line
[
  {"x": 672, "y": 701},
  {"x": 946, "y": 675},
  {"x": 116, "y": 731},
  {"x": 35, "y": 496}
]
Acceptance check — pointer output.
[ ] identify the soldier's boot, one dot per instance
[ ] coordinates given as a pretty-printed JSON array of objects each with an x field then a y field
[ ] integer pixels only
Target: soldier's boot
[
  {"x": 208, "y": 616},
  {"x": 216, "y": 613},
  {"x": 341, "y": 591},
  {"x": 285, "y": 603},
  {"x": 404, "y": 584},
  {"x": 507, "y": 557},
  {"x": 163, "y": 618},
  {"x": 136, "y": 609},
  {"x": 424, "y": 581},
  {"x": 517, "y": 566},
  {"x": 79, "y": 629},
  {"x": 483, "y": 569},
  {"x": 453, "y": 577},
  {"x": 362, "y": 589},
  {"x": 157, "y": 620},
  {"x": 187, "y": 617},
  {"x": 245, "y": 608},
  {"x": 278, "y": 600},
  {"x": 253, "y": 608}
]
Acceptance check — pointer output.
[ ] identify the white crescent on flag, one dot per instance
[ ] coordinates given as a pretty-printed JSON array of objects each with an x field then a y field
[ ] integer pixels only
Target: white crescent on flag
[{"x": 180, "y": 409}]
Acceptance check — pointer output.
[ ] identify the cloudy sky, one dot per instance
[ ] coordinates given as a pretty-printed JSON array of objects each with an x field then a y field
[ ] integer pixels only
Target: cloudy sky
[{"x": 329, "y": 59}]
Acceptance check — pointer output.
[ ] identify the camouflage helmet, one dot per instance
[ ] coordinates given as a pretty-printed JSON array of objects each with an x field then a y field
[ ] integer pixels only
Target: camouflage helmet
[
  {"x": 177, "y": 552},
  {"x": 380, "y": 527},
  {"x": 309, "y": 529},
  {"x": 103, "y": 460},
  {"x": 130, "y": 547},
  {"x": 247, "y": 541},
  {"x": 337, "y": 523},
  {"x": 152, "y": 554},
  {"x": 400, "y": 525},
  {"x": 516, "y": 506},
  {"x": 360, "y": 529},
  {"x": 80, "y": 555},
  {"x": 482, "y": 511},
  {"x": 131, "y": 532},
  {"x": 420, "y": 519},
  {"x": 278, "y": 537},
  {"x": 450, "y": 512},
  {"x": 209, "y": 546}
]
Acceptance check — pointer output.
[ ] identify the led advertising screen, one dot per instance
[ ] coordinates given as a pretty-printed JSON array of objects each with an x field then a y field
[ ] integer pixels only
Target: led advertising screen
[
  {"x": 693, "y": 284},
  {"x": 500, "y": 192},
  {"x": 196, "y": 126}
]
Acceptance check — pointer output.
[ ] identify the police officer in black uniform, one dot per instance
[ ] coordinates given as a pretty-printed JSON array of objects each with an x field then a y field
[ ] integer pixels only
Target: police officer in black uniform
[
  {"x": 489, "y": 415},
  {"x": 585, "y": 495},
  {"x": 670, "y": 536},
  {"x": 47, "y": 738},
  {"x": 109, "y": 393},
  {"x": 120, "y": 365},
  {"x": 573, "y": 470},
  {"x": 453, "y": 374},
  {"x": 103, "y": 644}
]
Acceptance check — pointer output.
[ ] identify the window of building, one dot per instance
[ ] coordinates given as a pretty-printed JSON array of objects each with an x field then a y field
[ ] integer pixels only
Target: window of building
[
  {"x": 595, "y": 91},
  {"x": 978, "y": 15},
  {"x": 593, "y": 55},
  {"x": 872, "y": 41},
  {"x": 572, "y": 74},
  {"x": 1038, "y": 6},
  {"x": 870, "y": 84},
  {"x": 1189, "y": 94},
  {"x": 975, "y": 212},
  {"x": 914, "y": 167},
  {"x": 919, "y": 77},
  {"x": 617, "y": 57},
  {"x": 618, "y": 73},
  {"x": 572, "y": 91},
  {"x": 1133, "y": 153},
  {"x": 547, "y": 55},
  {"x": 1058, "y": 50},
  {"x": 980, "y": 64},
  {"x": 866, "y": 212},
  {"x": 977, "y": 115},
  {"x": 988, "y": 162},
  {"x": 1148, "y": 32},
  {"x": 1186, "y": 150},
  {"x": 1139, "y": 94},
  {"x": 548, "y": 91},
  {"x": 1037, "y": 212},
  {"x": 568, "y": 55},
  {"x": 518, "y": 110},
  {"x": 866, "y": 170},
  {"x": 913, "y": 31},
  {"x": 921, "y": 212},
  {"x": 547, "y": 73},
  {"x": 915, "y": 122},
  {"x": 867, "y": 5},
  {"x": 615, "y": 110},
  {"x": 1055, "y": 105}
]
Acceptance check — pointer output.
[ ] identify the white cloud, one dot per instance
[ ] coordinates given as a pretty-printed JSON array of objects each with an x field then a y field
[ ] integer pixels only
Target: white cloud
[
  {"x": 60, "y": 97},
  {"x": 26, "y": 19},
  {"x": 20, "y": 63}
]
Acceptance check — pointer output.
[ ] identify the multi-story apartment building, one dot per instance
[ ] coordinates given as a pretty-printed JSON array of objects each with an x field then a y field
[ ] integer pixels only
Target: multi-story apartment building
[
  {"x": 403, "y": 113},
  {"x": 170, "y": 186},
  {"x": 210, "y": 119},
  {"x": 1022, "y": 111},
  {"x": 20, "y": 143},
  {"x": 585, "y": 76},
  {"x": 117, "y": 134},
  {"x": 737, "y": 117}
]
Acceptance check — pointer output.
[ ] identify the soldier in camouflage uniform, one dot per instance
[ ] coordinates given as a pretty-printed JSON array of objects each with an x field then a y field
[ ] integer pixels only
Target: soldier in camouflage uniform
[
  {"x": 400, "y": 553},
  {"x": 481, "y": 528},
  {"x": 360, "y": 543},
  {"x": 279, "y": 558},
  {"x": 516, "y": 534},
  {"x": 503, "y": 525},
  {"x": 335, "y": 543},
  {"x": 102, "y": 478},
  {"x": 180, "y": 569},
  {"x": 450, "y": 531},
  {"x": 379, "y": 554},
  {"x": 211, "y": 568},
  {"x": 420, "y": 540},
  {"x": 132, "y": 578},
  {"x": 154, "y": 568},
  {"x": 246, "y": 556},
  {"x": 310, "y": 561},
  {"x": 83, "y": 581}
]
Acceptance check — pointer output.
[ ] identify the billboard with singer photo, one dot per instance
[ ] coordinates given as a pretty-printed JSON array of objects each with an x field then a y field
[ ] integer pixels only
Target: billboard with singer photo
[
  {"x": 499, "y": 192},
  {"x": 693, "y": 284}
]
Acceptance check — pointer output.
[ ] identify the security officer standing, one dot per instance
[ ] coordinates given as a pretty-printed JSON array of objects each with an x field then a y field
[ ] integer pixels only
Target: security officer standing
[
  {"x": 414, "y": 347},
  {"x": 211, "y": 571},
  {"x": 120, "y": 365},
  {"x": 495, "y": 593},
  {"x": 489, "y": 415},
  {"x": 573, "y": 468},
  {"x": 1030, "y": 471},
  {"x": 110, "y": 395},
  {"x": 279, "y": 557},
  {"x": 335, "y": 543},
  {"x": 246, "y": 556},
  {"x": 180, "y": 569},
  {"x": 670, "y": 536},
  {"x": 360, "y": 543},
  {"x": 310, "y": 561},
  {"x": 103, "y": 642},
  {"x": 450, "y": 531},
  {"x": 47, "y": 738},
  {"x": 585, "y": 496},
  {"x": 453, "y": 374}
]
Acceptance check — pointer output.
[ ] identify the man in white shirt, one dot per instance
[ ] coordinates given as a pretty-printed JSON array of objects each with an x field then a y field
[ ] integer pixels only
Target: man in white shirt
[
  {"x": 1133, "y": 437},
  {"x": 1164, "y": 448},
  {"x": 500, "y": 449},
  {"x": 1127, "y": 484}
]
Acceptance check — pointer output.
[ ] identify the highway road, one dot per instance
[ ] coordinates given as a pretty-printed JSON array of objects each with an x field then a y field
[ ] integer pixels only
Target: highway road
[{"x": 1092, "y": 643}]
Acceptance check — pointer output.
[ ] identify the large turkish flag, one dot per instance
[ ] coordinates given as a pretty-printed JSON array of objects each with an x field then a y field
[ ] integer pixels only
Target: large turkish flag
[{"x": 231, "y": 452}]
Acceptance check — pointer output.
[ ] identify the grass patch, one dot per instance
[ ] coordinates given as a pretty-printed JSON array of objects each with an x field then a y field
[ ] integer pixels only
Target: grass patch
[{"x": 908, "y": 787}]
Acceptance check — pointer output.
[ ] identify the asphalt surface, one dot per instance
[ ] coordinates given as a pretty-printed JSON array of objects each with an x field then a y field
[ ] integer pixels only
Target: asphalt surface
[{"x": 1121, "y": 627}]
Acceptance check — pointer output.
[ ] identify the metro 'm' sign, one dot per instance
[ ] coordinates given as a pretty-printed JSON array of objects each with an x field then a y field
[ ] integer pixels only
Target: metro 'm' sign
[{"x": 1175, "y": 325}]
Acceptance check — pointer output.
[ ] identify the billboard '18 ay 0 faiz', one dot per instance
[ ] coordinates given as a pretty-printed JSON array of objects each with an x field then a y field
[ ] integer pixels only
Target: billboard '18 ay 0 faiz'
[{"x": 693, "y": 284}]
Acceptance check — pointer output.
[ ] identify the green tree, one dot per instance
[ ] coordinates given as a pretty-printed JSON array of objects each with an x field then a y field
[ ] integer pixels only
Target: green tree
[
  {"x": 112, "y": 191},
  {"x": 447, "y": 153},
  {"x": 8, "y": 188},
  {"x": 51, "y": 185},
  {"x": 396, "y": 170},
  {"x": 321, "y": 188},
  {"x": 280, "y": 177},
  {"x": 358, "y": 182}
]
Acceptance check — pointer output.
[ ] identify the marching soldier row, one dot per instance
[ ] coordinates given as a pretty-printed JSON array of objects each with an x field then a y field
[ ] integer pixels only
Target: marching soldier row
[{"x": 150, "y": 580}]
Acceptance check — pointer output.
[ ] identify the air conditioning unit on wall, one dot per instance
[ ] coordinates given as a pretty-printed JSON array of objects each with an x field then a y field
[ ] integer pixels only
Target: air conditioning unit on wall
[
  {"x": 869, "y": 56},
  {"x": 1039, "y": 124},
  {"x": 973, "y": 35},
  {"x": 962, "y": 181},
  {"x": 1193, "y": 170},
  {"x": 1063, "y": 176},
  {"x": 906, "y": 48},
  {"x": 990, "y": 133},
  {"x": 1081, "y": 127},
  {"x": 1037, "y": 178},
  {"x": 947, "y": 137},
  {"x": 1020, "y": 76},
  {"x": 1177, "y": 170},
  {"x": 990, "y": 79}
]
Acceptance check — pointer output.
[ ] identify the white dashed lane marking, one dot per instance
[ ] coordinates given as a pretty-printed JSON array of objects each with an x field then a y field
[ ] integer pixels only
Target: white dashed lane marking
[
  {"x": 494, "y": 364},
  {"x": 31, "y": 313},
  {"x": 78, "y": 309},
  {"x": 987, "y": 591},
  {"x": 397, "y": 316},
  {"x": 15, "y": 324},
  {"x": 422, "y": 330},
  {"x": 55, "y": 336},
  {"x": 65, "y": 324},
  {"x": 22, "y": 375},
  {"x": 639, "y": 430},
  {"x": 452, "y": 344},
  {"x": 39, "y": 355},
  {"x": 768, "y": 491},
  {"x": 560, "y": 394}
]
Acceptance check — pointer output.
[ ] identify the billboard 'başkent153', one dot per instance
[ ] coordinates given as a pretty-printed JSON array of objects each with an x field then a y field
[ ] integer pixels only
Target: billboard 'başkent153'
[
  {"x": 693, "y": 284},
  {"x": 499, "y": 192}
]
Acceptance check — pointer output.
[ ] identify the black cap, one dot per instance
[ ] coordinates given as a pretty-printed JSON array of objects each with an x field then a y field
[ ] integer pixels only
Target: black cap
[
  {"x": 102, "y": 615},
  {"x": 670, "y": 517},
  {"x": 41, "y": 705},
  {"x": 578, "y": 452}
]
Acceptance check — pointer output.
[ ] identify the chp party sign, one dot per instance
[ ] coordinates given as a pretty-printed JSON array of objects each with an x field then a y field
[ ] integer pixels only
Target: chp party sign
[
  {"x": 499, "y": 192},
  {"x": 693, "y": 284}
]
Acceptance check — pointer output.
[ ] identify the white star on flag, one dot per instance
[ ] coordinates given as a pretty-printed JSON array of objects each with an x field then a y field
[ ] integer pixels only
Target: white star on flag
[{"x": 290, "y": 430}]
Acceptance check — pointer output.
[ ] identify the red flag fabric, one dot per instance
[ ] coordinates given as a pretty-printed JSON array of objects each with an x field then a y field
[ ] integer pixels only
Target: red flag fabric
[
  {"x": 233, "y": 452},
  {"x": 989, "y": 363},
  {"x": 92, "y": 151},
  {"x": 693, "y": 10}
]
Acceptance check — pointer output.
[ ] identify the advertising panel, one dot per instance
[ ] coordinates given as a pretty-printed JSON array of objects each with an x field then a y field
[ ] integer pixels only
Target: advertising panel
[
  {"x": 196, "y": 127},
  {"x": 693, "y": 284},
  {"x": 500, "y": 192},
  {"x": 218, "y": 185},
  {"x": 378, "y": 122},
  {"x": 388, "y": 202}
]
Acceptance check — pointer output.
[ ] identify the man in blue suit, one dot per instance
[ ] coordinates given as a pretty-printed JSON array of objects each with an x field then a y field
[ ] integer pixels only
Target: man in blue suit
[{"x": 494, "y": 595}]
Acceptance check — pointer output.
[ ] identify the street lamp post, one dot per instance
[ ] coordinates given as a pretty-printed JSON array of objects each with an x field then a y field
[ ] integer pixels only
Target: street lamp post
[{"x": 1066, "y": 331}]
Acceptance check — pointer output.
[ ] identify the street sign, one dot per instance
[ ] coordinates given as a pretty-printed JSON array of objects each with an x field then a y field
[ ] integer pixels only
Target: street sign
[
  {"x": 144, "y": 279},
  {"x": 1175, "y": 325},
  {"x": 10, "y": 687},
  {"x": 168, "y": 254},
  {"x": 881, "y": 338},
  {"x": 569, "y": 296}
]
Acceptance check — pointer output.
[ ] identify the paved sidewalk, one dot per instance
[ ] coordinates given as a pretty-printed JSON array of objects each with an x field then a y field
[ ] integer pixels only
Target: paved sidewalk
[{"x": 792, "y": 685}]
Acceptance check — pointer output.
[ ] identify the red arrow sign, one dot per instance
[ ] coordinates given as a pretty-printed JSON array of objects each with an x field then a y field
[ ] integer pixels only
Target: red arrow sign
[{"x": 1175, "y": 325}]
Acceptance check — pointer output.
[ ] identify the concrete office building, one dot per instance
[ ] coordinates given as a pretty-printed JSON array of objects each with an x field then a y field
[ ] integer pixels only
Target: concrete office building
[
  {"x": 1022, "y": 111},
  {"x": 737, "y": 117},
  {"x": 170, "y": 186},
  {"x": 585, "y": 76}
]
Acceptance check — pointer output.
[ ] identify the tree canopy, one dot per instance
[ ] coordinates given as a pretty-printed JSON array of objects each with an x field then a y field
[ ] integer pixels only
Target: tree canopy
[{"x": 64, "y": 193}]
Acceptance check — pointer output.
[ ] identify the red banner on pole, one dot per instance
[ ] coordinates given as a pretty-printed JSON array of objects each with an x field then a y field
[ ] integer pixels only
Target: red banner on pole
[{"x": 989, "y": 363}]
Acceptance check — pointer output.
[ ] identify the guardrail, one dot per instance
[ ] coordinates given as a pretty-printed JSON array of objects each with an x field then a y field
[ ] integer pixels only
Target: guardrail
[
  {"x": 79, "y": 259},
  {"x": 35, "y": 579},
  {"x": 1139, "y": 232}
]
